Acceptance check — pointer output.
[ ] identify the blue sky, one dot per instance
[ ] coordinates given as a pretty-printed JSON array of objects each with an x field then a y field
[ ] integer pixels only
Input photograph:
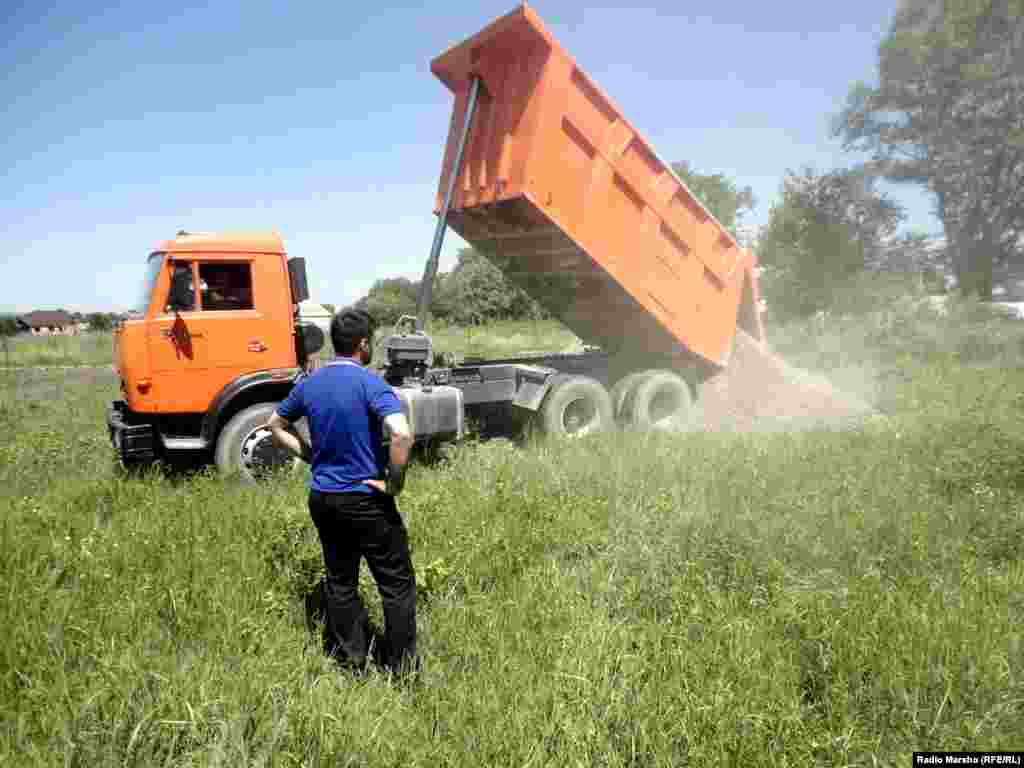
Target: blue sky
[{"x": 125, "y": 123}]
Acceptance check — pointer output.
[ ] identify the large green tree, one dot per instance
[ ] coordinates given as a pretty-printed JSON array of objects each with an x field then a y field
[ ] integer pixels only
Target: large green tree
[
  {"x": 390, "y": 298},
  {"x": 727, "y": 202},
  {"x": 477, "y": 291},
  {"x": 948, "y": 114},
  {"x": 99, "y": 321},
  {"x": 826, "y": 230}
]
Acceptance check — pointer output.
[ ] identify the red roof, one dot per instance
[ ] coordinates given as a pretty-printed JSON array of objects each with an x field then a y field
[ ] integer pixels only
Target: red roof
[{"x": 45, "y": 318}]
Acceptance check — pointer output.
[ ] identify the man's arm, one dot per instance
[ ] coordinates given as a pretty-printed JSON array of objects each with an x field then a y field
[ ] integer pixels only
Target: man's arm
[
  {"x": 285, "y": 436},
  {"x": 398, "y": 455},
  {"x": 400, "y": 448}
]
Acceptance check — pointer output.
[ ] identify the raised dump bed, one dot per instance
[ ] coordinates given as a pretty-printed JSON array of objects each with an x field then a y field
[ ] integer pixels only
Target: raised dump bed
[{"x": 566, "y": 197}]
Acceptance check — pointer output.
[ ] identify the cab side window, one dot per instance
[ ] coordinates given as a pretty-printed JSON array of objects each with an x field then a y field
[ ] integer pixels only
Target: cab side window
[
  {"x": 181, "y": 297},
  {"x": 225, "y": 286}
]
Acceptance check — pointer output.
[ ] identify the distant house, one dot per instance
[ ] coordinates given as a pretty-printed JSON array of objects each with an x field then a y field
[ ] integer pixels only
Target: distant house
[{"x": 44, "y": 322}]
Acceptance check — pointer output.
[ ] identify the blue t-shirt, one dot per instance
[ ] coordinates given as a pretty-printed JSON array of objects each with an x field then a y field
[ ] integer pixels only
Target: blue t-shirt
[{"x": 345, "y": 406}]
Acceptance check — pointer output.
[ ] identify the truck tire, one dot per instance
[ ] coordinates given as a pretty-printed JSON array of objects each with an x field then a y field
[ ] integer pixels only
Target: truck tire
[
  {"x": 576, "y": 406},
  {"x": 661, "y": 400},
  {"x": 623, "y": 389},
  {"x": 246, "y": 448}
]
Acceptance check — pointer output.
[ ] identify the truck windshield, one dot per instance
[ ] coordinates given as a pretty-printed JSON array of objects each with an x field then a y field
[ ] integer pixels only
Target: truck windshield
[{"x": 153, "y": 265}]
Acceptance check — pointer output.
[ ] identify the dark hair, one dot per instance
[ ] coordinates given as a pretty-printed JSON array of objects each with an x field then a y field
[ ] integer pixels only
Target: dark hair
[{"x": 348, "y": 327}]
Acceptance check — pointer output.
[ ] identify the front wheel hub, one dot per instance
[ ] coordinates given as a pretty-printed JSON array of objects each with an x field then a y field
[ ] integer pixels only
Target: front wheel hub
[{"x": 261, "y": 454}]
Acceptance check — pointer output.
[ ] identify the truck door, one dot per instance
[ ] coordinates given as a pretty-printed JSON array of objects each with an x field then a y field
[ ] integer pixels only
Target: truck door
[
  {"x": 172, "y": 349},
  {"x": 239, "y": 334},
  {"x": 227, "y": 325}
]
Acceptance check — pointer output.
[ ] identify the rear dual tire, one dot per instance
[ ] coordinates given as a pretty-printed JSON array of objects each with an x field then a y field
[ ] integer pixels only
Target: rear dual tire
[
  {"x": 624, "y": 387},
  {"x": 653, "y": 400},
  {"x": 576, "y": 406},
  {"x": 656, "y": 400}
]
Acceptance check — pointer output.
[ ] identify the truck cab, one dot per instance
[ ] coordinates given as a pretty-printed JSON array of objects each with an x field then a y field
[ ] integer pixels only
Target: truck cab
[
  {"x": 214, "y": 332},
  {"x": 222, "y": 331}
]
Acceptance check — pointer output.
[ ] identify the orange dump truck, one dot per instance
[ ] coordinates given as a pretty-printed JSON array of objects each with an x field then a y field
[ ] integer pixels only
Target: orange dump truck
[
  {"x": 561, "y": 192},
  {"x": 544, "y": 176}
]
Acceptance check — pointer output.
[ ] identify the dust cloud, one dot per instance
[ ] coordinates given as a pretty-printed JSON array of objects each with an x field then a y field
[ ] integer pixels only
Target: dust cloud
[{"x": 759, "y": 391}]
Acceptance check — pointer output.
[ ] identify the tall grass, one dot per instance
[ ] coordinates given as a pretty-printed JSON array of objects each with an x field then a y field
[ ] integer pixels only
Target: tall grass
[
  {"x": 92, "y": 348},
  {"x": 497, "y": 339},
  {"x": 503, "y": 339},
  {"x": 823, "y": 598}
]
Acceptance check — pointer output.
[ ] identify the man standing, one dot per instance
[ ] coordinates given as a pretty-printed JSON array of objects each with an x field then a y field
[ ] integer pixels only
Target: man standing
[{"x": 353, "y": 489}]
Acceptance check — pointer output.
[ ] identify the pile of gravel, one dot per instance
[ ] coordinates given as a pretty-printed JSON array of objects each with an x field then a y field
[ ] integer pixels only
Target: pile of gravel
[{"x": 758, "y": 391}]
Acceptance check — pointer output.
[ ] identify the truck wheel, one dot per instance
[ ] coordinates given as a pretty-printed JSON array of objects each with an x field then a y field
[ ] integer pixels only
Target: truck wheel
[
  {"x": 576, "y": 406},
  {"x": 622, "y": 390},
  {"x": 661, "y": 400},
  {"x": 245, "y": 447}
]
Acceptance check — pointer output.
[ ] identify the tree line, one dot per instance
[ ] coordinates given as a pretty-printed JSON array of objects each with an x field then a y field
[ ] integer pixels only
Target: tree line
[
  {"x": 947, "y": 115},
  {"x": 98, "y": 321},
  {"x": 473, "y": 292}
]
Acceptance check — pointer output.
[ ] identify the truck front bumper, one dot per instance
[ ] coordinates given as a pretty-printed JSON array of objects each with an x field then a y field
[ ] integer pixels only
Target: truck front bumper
[{"x": 133, "y": 438}]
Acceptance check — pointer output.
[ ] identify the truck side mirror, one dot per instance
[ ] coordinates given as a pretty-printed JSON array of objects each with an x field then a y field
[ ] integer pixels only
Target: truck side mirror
[{"x": 297, "y": 279}]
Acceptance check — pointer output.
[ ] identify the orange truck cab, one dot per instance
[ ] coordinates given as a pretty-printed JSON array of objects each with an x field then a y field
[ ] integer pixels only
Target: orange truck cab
[
  {"x": 213, "y": 342},
  {"x": 218, "y": 340}
]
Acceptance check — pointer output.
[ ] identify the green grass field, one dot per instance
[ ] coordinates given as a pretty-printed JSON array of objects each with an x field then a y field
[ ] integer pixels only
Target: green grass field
[
  {"x": 504, "y": 339},
  {"x": 91, "y": 348},
  {"x": 507, "y": 338},
  {"x": 804, "y": 599}
]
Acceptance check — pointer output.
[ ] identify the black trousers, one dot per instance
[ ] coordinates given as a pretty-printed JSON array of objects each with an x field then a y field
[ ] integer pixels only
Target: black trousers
[{"x": 353, "y": 526}]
